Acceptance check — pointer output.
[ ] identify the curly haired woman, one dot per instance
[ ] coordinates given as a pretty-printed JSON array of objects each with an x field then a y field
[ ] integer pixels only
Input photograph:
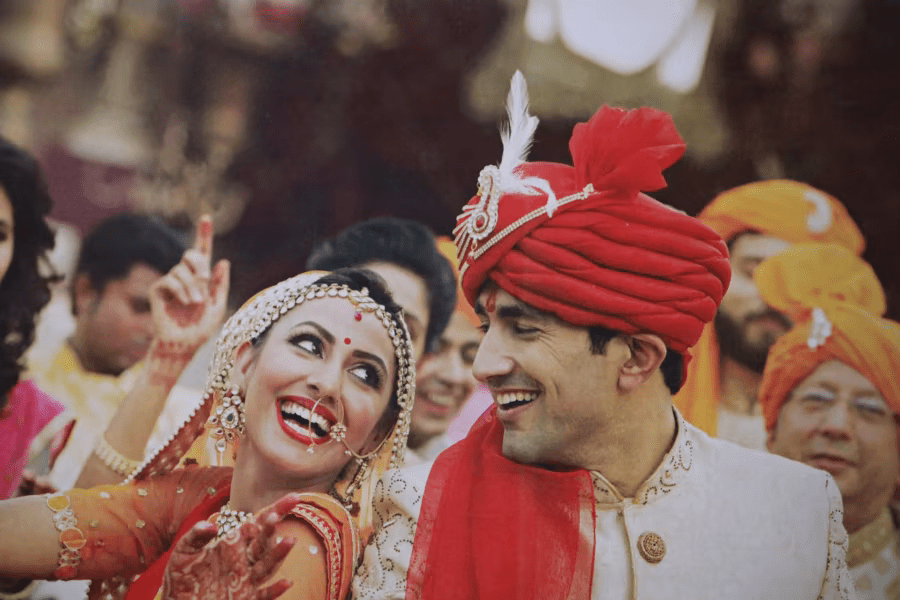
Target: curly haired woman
[{"x": 25, "y": 238}]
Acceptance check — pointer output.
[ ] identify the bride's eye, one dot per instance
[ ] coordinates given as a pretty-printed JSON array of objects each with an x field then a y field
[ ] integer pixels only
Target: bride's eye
[
  {"x": 368, "y": 374},
  {"x": 308, "y": 343}
]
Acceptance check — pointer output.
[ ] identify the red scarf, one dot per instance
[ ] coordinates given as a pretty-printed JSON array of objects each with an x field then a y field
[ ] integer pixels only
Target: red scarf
[
  {"x": 503, "y": 529},
  {"x": 148, "y": 584}
]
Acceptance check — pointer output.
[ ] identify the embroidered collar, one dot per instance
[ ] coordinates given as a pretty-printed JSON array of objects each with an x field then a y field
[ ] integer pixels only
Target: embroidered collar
[
  {"x": 866, "y": 543},
  {"x": 671, "y": 471}
]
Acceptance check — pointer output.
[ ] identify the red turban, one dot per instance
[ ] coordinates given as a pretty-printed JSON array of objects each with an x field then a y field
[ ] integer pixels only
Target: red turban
[{"x": 595, "y": 251}]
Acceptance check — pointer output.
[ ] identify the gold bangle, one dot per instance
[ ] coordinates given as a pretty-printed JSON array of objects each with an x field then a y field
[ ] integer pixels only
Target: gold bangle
[
  {"x": 71, "y": 537},
  {"x": 112, "y": 459}
]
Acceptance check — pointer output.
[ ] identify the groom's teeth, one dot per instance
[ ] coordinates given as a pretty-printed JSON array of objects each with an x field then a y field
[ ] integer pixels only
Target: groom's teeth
[{"x": 510, "y": 397}]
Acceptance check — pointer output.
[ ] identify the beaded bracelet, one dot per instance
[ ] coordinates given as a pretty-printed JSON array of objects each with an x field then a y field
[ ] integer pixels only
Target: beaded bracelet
[
  {"x": 112, "y": 459},
  {"x": 71, "y": 537}
]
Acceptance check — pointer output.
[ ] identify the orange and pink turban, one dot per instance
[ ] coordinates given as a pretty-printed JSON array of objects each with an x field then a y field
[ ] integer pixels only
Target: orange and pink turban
[{"x": 836, "y": 302}]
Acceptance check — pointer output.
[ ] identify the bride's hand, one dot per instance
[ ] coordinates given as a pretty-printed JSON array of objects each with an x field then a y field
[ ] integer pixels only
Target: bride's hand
[
  {"x": 188, "y": 305},
  {"x": 188, "y": 302},
  {"x": 235, "y": 566}
]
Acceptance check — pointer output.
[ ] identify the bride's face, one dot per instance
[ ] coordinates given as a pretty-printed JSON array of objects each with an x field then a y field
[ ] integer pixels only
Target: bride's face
[{"x": 317, "y": 351}]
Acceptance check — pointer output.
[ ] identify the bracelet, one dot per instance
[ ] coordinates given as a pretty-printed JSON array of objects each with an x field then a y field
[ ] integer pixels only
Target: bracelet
[
  {"x": 71, "y": 537},
  {"x": 166, "y": 361},
  {"x": 112, "y": 459}
]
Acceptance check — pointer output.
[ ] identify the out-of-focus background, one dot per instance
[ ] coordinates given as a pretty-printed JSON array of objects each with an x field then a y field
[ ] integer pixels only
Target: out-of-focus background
[{"x": 291, "y": 119}]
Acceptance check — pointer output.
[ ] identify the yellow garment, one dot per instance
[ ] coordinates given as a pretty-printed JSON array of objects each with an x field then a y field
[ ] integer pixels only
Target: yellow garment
[
  {"x": 93, "y": 399},
  {"x": 786, "y": 209},
  {"x": 448, "y": 249}
]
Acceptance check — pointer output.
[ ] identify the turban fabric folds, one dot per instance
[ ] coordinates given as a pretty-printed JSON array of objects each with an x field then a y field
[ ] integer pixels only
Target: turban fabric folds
[
  {"x": 599, "y": 253},
  {"x": 836, "y": 302},
  {"x": 790, "y": 210}
]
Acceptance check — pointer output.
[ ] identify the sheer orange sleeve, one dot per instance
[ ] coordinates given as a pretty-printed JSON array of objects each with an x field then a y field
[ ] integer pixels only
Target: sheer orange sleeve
[{"x": 126, "y": 527}]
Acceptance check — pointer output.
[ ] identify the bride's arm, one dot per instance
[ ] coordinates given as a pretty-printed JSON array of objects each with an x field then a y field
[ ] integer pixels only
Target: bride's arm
[
  {"x": 30, "y": 545},
  {"x": 108, "y": 531},
  {"x": 299, "y": 548}
]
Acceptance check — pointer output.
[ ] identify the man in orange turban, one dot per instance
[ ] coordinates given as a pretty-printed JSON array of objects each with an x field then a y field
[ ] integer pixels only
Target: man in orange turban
[
  {"x": 830, "y": 396},
  {"x": 583, "y": 481},
  {"x": 757, "y": 220},
  {"x": 444, "y": 380}
]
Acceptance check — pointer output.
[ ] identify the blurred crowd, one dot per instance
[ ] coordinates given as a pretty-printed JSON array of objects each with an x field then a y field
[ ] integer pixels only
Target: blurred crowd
[{"x": 163, "y": 161}]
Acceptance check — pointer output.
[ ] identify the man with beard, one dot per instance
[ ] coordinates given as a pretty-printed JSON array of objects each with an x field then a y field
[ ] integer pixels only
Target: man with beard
[{"x": 757, "y": 220}]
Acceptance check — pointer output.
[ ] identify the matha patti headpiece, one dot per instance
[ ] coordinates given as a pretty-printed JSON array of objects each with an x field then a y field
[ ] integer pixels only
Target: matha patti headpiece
[{"x": 248, "y": 324}]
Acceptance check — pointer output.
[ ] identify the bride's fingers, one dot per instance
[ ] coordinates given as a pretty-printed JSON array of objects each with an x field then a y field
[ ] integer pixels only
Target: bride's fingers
[
  {"x": 172, "y": 286},
  {"x": 196, "y": 538},
  {"x": 284, "y": 506},
  {"x": 274, "y": 590},
  {"x": 218, "y": 285},
  {"x": 273, "y": 555},
  {"x": 192, "y": 285},
  {"x": 198, "y": 263}
]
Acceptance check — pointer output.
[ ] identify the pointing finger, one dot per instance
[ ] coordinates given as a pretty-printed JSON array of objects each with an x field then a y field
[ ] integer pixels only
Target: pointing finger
[{"x": 204, "y": 235}]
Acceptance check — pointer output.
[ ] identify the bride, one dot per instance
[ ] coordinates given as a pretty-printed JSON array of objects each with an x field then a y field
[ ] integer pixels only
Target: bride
[{"x": 313, "y": 380}]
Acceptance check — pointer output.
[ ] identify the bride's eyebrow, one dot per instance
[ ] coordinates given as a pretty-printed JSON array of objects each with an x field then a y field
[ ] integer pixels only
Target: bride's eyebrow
[
  {"x": 326, "y": 335},
  {"x": 372, "y": 357}
]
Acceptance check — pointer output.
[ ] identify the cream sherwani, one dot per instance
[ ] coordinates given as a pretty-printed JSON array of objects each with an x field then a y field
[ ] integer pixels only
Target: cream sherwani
[
  {"x": 725, "y": 523},
  {"x": 874, "y": 559}
]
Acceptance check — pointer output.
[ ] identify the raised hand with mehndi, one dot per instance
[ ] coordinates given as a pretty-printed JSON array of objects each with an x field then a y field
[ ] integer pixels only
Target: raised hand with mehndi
[{"x": 205, "y": 566}]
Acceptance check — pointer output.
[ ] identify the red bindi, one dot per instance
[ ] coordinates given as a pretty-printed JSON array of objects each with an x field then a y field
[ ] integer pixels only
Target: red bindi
[
  {"x": 358, "y": 316},
  {"x": 347, "y": 341},
  {"x": 491, "y": 301}
]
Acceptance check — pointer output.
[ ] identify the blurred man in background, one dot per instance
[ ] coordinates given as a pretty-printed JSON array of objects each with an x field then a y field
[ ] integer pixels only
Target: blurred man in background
[
  {"x": 757, "y": 220},
  {"x": 405, "y": 254},
  {"x": 120, "y": 259},
  {"x": 444, "y": 378}
]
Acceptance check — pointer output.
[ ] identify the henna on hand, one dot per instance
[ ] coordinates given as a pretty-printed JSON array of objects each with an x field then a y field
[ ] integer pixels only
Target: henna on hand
[
  {"x": 189, "y": 302},
  {"x": 234, "y": 566}
]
